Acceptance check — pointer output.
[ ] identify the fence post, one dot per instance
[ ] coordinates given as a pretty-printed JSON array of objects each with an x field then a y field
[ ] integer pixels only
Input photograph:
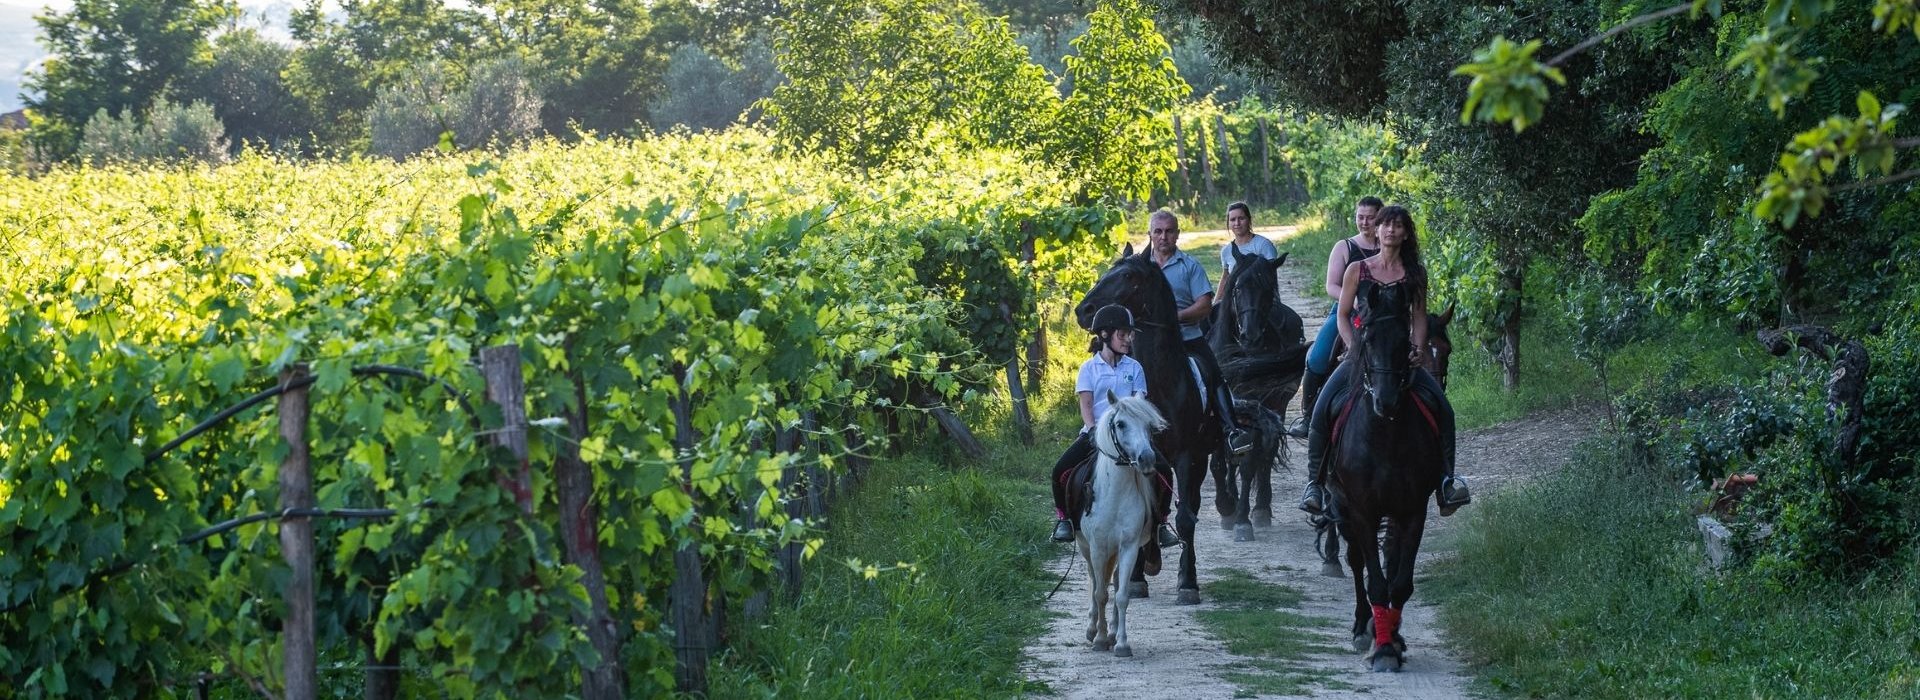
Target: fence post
[
  {"x": 296, "y": 540},
  {"x": 794, "y": 490},
  {"x": 500, "y": 367},
  {"x": 687, "y": 595}
]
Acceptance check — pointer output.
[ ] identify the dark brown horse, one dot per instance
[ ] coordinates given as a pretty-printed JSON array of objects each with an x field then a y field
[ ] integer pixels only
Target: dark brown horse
[
  {"x": 1136, "y": 283},
  {"x": 1385, "y": 466},
  {"x": 1262, "y": 351}
]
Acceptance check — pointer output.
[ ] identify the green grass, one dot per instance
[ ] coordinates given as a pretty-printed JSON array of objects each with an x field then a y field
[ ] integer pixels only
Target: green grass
[
  {"x": 1591, "y": 584},
  {"x": 1256, "y": 621},
  {"x": 975, "y": 533}
]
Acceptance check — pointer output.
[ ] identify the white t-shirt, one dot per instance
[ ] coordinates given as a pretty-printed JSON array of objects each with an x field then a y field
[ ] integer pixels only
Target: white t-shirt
[
  {"x": 1258, "y": 246},
  {"x": 1124, "y": 378}
]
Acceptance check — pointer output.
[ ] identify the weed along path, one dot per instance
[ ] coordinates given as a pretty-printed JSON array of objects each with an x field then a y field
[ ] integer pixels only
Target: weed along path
[{"x": 1270, "y": 625}]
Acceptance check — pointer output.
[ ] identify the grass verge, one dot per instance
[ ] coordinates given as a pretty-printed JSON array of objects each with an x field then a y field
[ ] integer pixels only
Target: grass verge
[
  {"x": 1256, "y": 620},
  {"x": 950, "y": 626},
  {"x": 1590, "y": 584}
]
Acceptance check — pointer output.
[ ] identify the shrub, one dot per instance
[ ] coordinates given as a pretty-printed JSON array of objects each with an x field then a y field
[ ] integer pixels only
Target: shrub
[
  {"x": 703, "y": 93},
  {"x": 499, "y": 103},
  {"x": 169, "y": 132}
]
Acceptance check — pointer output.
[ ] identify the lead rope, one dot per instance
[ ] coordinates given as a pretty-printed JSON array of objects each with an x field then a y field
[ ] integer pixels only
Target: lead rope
[{"x": 1063, "y": 577}]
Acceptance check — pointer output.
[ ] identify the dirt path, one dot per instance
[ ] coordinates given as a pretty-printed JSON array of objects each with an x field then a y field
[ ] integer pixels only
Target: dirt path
[{"x": 1175, "y": 655}]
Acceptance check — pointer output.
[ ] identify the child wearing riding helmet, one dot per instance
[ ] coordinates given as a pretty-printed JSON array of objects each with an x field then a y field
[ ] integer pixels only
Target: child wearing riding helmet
[
  {"x": 1397, "y": 262},
  {"x": 1110, "y": 369}
]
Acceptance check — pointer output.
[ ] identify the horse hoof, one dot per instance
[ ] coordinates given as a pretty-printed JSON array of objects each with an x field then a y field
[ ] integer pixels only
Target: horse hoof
[
  {"x": 1102, "y": 645},
  {"x": 1262, "y": 519},
  {"x": 1188, "y": 596},
  {"x": 1123, "y": 651},
  {"x": 1137, "y": 589},
  {"x": 1243, "y": 533},
  {"x": 1328, "y": 568},
  {"x": 1386, "y": 658},
  {"x": 1362, "y": 642},
  {"x": 1227, "y": 522}
]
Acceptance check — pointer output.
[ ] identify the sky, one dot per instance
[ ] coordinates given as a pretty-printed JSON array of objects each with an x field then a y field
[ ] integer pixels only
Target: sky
[{"x": 20, "y": 49}]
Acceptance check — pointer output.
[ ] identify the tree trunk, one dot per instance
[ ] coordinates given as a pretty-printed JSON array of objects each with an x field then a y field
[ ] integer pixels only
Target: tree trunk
[
  {"x": 1267, "y": 194},
  {"x": 1512, "y": 276},
  {"x": 579, "y": 534}
]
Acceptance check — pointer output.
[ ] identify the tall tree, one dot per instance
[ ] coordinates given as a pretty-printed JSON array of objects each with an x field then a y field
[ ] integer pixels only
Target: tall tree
[
  {"x": 115, "y": 55},
  {"x": 243, "y": 85},
  {"x": 1512, "y": 198}
]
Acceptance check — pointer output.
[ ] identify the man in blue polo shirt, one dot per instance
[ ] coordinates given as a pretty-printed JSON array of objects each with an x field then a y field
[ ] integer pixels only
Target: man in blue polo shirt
[{"x": 1193, "y": 296}]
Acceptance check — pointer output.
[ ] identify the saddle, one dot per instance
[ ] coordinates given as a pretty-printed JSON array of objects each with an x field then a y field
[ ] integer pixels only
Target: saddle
[
  {"x": 1350, "y": 397},
  {"x": 1078, "y": 487}
]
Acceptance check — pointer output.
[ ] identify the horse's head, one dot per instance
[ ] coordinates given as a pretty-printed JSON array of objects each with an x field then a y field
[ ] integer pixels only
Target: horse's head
[
  {"x": 1385, "y": 349},
  {"x": 1136, "y": 283},
  {"x": 1253, "y": 289},
  {"x": 1440, "y": 347},
  {"x": 1125, "y": 433}
]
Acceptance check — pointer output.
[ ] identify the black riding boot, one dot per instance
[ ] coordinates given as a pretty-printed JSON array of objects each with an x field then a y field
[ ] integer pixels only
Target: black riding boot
[
  {"x": 1309, "y": 393},
  {"x": 1317, "y": 439},
  {"x": 1319, "y": 435},
  {"x": 1453, "y": 491}
]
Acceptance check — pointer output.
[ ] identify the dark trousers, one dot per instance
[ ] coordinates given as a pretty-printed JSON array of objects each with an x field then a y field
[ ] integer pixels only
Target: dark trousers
[
  {"x": 1080, "y": 451},
  {"x": 1210, "y": 373}
]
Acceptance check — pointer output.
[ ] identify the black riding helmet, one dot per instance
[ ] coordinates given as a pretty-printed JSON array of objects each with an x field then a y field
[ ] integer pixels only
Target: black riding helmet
[{"x": 1112, "y": 317}]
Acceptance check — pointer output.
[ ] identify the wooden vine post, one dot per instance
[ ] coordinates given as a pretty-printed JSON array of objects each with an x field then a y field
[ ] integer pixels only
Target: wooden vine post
[
  {"x": 1266, "y": 165},
  {"x": 1022, "y": 417},
  {"x": 1226, "y": 161},
  {"x": 687, "y": 595},
  {"x": 573, "y": 484},
  {"x": 1036, "y": 348},
  {"x": 300, "y": 656},
  {"x": 1180, "y": 159},
  {"x": 1206, "y": 164}
]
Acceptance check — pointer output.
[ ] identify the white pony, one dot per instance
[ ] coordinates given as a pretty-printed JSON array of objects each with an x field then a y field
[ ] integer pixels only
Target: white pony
[{"x": 1119, "y": 519}]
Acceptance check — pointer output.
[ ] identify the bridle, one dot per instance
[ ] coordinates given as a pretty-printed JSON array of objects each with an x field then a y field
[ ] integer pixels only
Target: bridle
[
  {"x": 1405, "y": 375},
  {"x": 1129, "y": 461}
]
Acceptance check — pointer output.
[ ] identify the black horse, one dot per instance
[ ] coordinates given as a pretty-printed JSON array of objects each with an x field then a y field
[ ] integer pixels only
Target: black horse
[
  {"x": 1136, "y": 283},
  {"x": 1440, "y": 348},
  {"x": 1385, "y": 467},
  {"x": 1262, "y": 350}
]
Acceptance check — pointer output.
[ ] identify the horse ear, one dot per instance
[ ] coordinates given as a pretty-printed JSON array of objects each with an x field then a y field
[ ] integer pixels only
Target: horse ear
[
  {"x": 1446, "y": 317},
  {"x": 1282, "y": 260},
  {"x": 1127, "y": 252},
  {"x": 1239, "y": 258},
  {"x": 1111, "y": 399}
]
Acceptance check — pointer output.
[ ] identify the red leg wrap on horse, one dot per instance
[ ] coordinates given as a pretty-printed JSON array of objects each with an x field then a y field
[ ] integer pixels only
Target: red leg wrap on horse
[{"x": 1385, "y": 621}]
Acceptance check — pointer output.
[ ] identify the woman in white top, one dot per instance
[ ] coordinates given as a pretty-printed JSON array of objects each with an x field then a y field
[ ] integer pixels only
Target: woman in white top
[{"x": 1109, "y": 370}]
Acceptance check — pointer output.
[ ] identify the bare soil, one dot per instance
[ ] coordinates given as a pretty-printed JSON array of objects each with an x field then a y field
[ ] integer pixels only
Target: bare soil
[{"x": 1176, "y": 656}]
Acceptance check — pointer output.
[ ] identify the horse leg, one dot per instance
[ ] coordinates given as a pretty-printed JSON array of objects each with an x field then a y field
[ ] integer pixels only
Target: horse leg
[
  {"x": 1362, "y": 609},
  {"x": 1407, "y": 548},
  {"x": 1128, "y": 557},
  {"x": 1222, "y": 468},
  {"x": 1243, "y": 505},
  {"x": 1100, "y": 567},
  {"x": 1330, "y": 555},
  {"x": 1386, "y": 618},
  {"x": 1188, "y": 474}
]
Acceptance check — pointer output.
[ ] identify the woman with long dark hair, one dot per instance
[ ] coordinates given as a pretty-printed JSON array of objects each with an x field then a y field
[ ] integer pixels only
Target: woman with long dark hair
[{"x": 1398, "y": 263}]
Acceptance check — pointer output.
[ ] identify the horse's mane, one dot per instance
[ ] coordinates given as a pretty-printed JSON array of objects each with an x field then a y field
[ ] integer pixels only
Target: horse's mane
[{"x": 1138, "y": 409}]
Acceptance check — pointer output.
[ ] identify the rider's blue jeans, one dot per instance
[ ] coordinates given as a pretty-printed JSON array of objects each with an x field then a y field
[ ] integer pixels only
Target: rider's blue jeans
[{"x": 1320, "y": 354}]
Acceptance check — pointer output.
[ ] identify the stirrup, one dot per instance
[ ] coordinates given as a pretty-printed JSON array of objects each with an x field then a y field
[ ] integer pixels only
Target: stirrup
[
  {"x": 1310, "y": 499},
  {"x": 1062, "y": 531},
  {"x": 1453, "y": 494},
  {"x": 1168, "y": 538}
]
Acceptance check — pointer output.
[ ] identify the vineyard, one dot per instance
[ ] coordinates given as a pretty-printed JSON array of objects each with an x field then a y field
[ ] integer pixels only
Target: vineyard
[{"x": 710, "y": 336}]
